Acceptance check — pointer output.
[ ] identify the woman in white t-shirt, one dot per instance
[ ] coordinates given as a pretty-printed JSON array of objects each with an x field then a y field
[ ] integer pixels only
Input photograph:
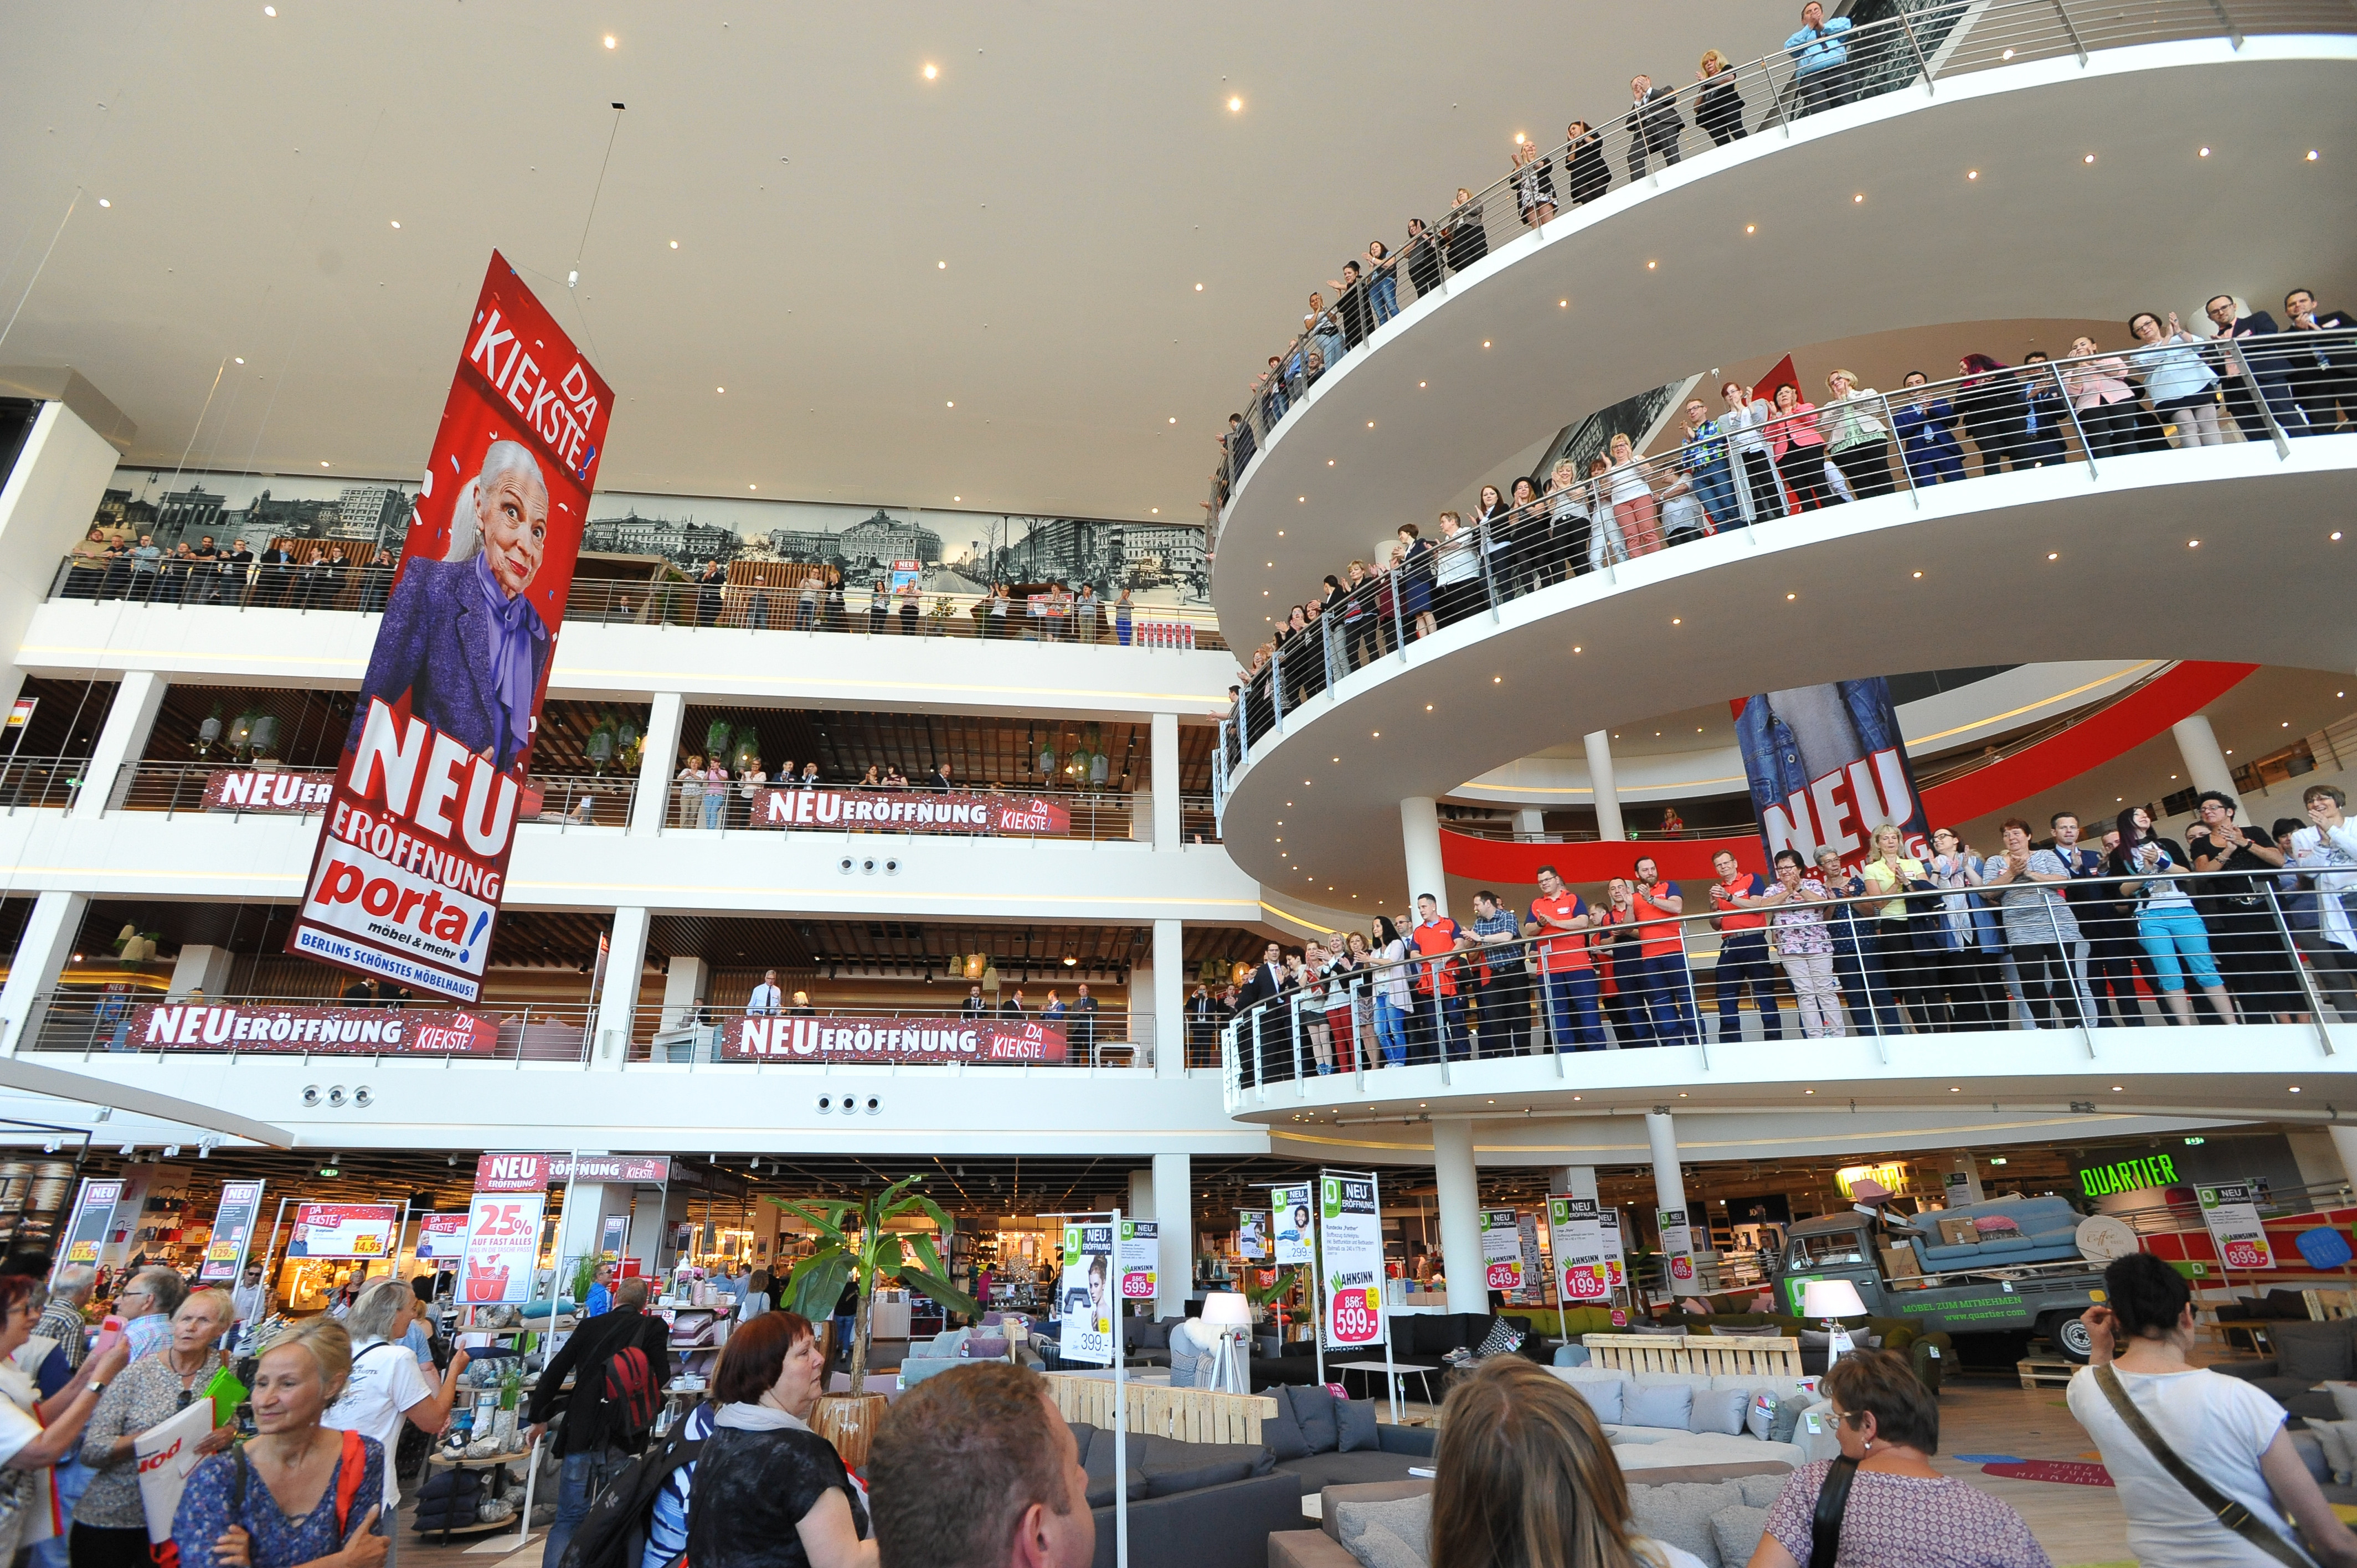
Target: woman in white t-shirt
[
  {"x": 387, "y": 1385},
  {"x": 2226, "y": 1431}
]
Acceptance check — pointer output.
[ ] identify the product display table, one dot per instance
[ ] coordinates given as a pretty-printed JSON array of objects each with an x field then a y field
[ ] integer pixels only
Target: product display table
[
  {"x": 1399, "y": 1371},
  {"x": 497, "y": 1463}
]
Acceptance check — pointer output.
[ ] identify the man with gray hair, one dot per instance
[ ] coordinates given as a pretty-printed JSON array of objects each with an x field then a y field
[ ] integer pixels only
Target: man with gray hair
[
  {"x": 145, "y": 1305},
  {"x": 62, "y": 1320}
]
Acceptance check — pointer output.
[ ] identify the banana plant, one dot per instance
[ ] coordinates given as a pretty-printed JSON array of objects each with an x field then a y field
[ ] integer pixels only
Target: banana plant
[{"x": 854, "y": 1245}]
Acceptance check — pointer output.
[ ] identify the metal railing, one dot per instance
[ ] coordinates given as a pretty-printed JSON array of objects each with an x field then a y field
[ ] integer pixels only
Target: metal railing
[
  {"x": 1763, "y": 462},
  {"x": 744, "y": 606},
  {"x": 31, "y": 783},
  {"x": 1927, "y": 42},
  {"x": 2083, "y": 955}
]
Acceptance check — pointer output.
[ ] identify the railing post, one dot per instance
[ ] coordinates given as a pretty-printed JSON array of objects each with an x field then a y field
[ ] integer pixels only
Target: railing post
[
  {"x": 1293, "y": 1018},
  {"x": 2306, "y": 981},
  {"x": 1890, "y": 419},
  {"x": 2259, "y": 396},
  {"x": 2077, "y": 43},
  {"x": 1358, "y": 1037},
  {"x": 1258, "y": 1058},
  {"x": 1693, "y": 1001},
  {"x": 1489, "y": 579},
  {"x": 1276, "y": 688},
  {"x": 2071, "y": 409},
  {"x": 1399, "y": 592},
  {"x": 1917, "y": 50},
  {"x": 2233, "y": 33}
]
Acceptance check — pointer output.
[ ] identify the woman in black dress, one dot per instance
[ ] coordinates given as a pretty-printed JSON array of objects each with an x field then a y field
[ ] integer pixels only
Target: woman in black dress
[
  {"x": 1351, "y": 304},
  {"x": 1719, "y": 108},
  {"x": 1585, "y": 172},
  {"x": 1421, "y": 257},
  {"x": 1462, "y": 238},
  {"x": 770, "y": 1492}
]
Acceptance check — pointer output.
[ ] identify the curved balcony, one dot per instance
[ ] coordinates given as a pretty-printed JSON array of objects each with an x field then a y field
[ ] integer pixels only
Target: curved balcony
[
  {"x": 2175, "y": 552},
  {"x": 1605, "y": 1015},
  {"x": 1878, "y": 216}
]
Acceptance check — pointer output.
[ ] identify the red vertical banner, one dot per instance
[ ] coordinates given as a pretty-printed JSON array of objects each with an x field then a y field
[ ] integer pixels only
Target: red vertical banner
[{"x": 411, "y": 861}]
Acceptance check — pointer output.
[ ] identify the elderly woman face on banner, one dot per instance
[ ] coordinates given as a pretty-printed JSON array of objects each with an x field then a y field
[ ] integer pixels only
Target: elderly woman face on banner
[{"x": 512, "y": 516}]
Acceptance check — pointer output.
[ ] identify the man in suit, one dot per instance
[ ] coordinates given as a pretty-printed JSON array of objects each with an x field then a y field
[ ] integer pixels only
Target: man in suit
[
  {"x": 234, "y": 566},
  {"x": 1202, "y": 1025},
  {"x": 277, "y": 576},
  {"x": 1268, "y": 983},
  {"x": 2324, "y": 376},
  {"x": 1654, "y": 124},
  {"x": 2081, "y": 861},
  {"x": 461, "y": 638},
  {"x": 2269, "y": 369}
]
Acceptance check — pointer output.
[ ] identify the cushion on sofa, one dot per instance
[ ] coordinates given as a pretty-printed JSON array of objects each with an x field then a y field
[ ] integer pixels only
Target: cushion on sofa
[
  {"x": 1282, "y": 1432},
  {"x": 1743, "y": 1330},
  {"x": 976, "y": 1349},
  {"x": 1386, "y": 1534},
  {"x": 1666, "y": 1406},
  {"x": 1355, "y": 1426},
  {"x": 1313, "y": 1411},
  {"x": 1781, "y": 1425},
  {"x": 1679, "y": 1514},
  {"x": 1718, "y": 1410},
  {"x": 1360, "y": 1465},
  {"x": 1759, "y": 1412},
  {"x": 1607, "y": 1397},
  {"x": 2315, "y": 1352},
  {"x": 1165, "y": 1483},
  {"x": 1736, "y": 1533}
]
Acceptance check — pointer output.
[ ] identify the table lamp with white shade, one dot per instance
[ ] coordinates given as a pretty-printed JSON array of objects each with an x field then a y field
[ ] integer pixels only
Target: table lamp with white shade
[
  {"x": 1831, "y": 1300},
  {"x": 1229, "y": 1315}
]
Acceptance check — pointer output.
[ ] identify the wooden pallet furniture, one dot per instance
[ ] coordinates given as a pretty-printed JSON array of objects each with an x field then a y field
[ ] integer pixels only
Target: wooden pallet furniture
[
  {"x": 1189, "y": 1415},
  {"x": 1707, "y": 1355},
  {"x": 2045, "y": 1372},
  {"x": 2324, "y": 1304}
]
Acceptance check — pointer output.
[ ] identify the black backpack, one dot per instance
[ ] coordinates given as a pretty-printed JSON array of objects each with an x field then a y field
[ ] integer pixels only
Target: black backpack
[{"x": 614, "y": 1532}]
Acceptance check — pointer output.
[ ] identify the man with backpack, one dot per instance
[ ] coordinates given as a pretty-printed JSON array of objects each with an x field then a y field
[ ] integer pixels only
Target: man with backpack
[{"x": 618, "y": 1363}]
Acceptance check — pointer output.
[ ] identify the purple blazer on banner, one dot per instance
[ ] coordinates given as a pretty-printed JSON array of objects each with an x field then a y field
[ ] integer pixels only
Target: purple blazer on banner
[{"x": 469, "y": 659}]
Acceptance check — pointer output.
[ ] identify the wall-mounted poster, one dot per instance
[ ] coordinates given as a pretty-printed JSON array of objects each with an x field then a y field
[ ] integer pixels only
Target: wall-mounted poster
[
  {"x": 1826, "y": 766},
  {"x": 343, "y": 1230}
]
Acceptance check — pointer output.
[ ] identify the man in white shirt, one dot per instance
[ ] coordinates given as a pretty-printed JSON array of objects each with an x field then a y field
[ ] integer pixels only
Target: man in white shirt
[
  {"x": 768, "y": 1000},
  {"x": 2327, "y": 851},
  {"x": 387, "y": 1386}
]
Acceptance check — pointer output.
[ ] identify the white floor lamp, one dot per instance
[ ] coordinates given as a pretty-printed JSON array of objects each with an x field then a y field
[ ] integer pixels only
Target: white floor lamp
[
  {"x": 1832, "y": 1300},
  {"x": 1228, "y": 1314}
]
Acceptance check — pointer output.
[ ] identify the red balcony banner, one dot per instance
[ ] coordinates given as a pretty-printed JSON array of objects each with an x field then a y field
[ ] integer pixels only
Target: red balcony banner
[
  {"x": 754, "y": 1039},
  {"x": 321, "y": 1031},
  {"x": 412, "y": 858},
  {"x": 908, "y": 811},
  {"x": 254, "y": 789}
]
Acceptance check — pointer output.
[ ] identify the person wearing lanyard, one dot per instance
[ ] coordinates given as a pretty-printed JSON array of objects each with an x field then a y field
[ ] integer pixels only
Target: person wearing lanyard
[
  {"x": 1742, "y": 951},
  {"x": 1661, "y": 968},
  {"x": 1567, "y": 985},
  {"x": 767, "y": 1001}
]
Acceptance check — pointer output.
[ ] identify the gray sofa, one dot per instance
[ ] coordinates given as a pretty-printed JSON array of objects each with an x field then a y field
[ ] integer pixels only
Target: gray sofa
[
  {"x": 1191, "y": 1505},
  {"x": 2306, "y": 1354}
]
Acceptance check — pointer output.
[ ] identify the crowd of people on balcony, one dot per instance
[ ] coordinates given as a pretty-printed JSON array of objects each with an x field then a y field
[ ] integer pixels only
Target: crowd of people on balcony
[
  {"x": 1770, "y": 453},
  {"x": 303, "y": 576},
  {"x": 1930, "y": 938}
]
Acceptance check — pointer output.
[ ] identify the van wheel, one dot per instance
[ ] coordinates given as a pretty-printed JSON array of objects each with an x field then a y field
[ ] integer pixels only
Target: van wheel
[{"x": 2069, "y": 1335}]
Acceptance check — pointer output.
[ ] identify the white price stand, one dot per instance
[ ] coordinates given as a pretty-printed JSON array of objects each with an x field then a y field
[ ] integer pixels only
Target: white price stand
[
  {"x": 1350, "y": 1278},
  {"x": 1088, "y": 1236}
]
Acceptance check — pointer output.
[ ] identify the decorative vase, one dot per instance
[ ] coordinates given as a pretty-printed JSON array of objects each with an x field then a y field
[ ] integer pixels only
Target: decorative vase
[{"x": 849, "y": 1422}]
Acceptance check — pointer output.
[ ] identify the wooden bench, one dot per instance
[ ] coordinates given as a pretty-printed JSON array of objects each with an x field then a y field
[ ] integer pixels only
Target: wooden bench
[
  {"x": 1707, "y": 1355},
  {"x": 2324, "y": 1304},
  {"x": 1188, "y": 1416}
]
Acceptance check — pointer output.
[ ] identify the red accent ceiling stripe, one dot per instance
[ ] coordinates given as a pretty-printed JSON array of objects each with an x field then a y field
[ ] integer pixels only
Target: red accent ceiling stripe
[{"x": 2185, "y": 688}]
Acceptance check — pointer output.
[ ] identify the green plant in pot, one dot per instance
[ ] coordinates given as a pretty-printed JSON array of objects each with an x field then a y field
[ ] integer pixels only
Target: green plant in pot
[{"x": 854, "y": 1244}]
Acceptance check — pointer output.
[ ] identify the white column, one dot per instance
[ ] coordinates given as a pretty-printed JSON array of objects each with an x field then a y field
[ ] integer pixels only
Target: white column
[
  {"x": 52, "y": 492},
  {"x": 581, "y": 1221},
  {"x": 1963, "y": 1165},
  {"x": 1669, "y": 1183},
  {"x": 2344, "y": 1143},
  {"x": 686, "y": 980},
  {"x": 121, "y": 739},
  {"x": 1164, "y": 732},
  {"x": 41, "y": 954},
  {"x": 1420, "y": 838},
  {"x": 204, "y": 968},
  {"x": 1572, "y": 1181},
  {"x": 1459, "y": 1201},
  {"x": 1174, "y": 1211},
  {"x": 1600, "y": 780},
  {"x": 618, "y": 998},
  {"x": 1139, "y": 1204},
  {"x": 1170, "y": 999},
  {"x": 2204, "y": 763},
  {"x": 651, "y": 809}
]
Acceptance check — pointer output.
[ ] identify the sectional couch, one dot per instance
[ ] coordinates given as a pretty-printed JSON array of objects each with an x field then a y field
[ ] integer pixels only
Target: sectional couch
[
  {"x": 2306, "y": 1354},
  {"x": 1657, "y": 1420}
]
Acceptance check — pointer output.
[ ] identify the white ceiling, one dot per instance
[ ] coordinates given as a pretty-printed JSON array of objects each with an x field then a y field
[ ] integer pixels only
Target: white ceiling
[{"x": 1075, "y": 166}]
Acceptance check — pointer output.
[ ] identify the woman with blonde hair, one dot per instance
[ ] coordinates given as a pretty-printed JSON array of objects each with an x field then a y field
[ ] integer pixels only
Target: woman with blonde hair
[
  {"x": 1719, "y": 110},
  {"x": 1526, "y": 1479},
  {"x": 1634, "y": 505},
  {"x": 1859, "y": 443},
  {"x": 110, "y": 1524},
  {"x": 1890, "y": 873}
]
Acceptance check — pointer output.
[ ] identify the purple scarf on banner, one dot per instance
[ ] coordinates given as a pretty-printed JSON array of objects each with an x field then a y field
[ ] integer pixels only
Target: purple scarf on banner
[{"x": 516, "y": 629}]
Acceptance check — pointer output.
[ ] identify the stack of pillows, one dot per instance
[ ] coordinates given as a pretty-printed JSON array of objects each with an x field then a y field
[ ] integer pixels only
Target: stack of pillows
[
  {"x": 1310, "y": 1420},
  {"x": 1679, "y": 1407}
]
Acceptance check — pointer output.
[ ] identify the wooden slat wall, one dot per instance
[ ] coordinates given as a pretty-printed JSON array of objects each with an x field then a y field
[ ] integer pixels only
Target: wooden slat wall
[
  {"x": 1188, "y": 1416},
  {"x": 1699, "y": 1354}
]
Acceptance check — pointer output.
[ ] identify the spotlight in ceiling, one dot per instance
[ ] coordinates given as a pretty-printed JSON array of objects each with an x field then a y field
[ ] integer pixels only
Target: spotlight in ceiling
[
  {"x": 1235, "y": 105},
  {"x": 933, "y": 71},
  {"x": 609, "y": 40}
]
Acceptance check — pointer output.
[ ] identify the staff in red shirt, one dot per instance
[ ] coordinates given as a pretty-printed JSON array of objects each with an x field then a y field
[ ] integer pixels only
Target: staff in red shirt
[
  {"x": 1743, "y": 950},
  {"x": 1567, "y": 973},
  {"x": 1439, "y": 1010},
  {"x": 1659, "y": 977}
]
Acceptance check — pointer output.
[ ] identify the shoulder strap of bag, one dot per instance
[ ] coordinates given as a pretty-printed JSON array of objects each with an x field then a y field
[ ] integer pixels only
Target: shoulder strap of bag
[
  {"x": 2226, "y": 1510},
  {"x": 1833, "y": 1501},
  {"x": 351, "y": 1469}
]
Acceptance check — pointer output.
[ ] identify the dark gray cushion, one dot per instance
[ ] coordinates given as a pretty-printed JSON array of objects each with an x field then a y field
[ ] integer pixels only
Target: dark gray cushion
[
  {"x": 1283, "y": 1434},
  {"x": 1318, "y": 1470},
  {"x": 1165, "y": 1483},
  {"x": 1101, "y": 1487},
  {"x": 1354, "y": 1425},
  {"x": 2314, "y": 1352},
  {"x": 1313, "y": 1411}
]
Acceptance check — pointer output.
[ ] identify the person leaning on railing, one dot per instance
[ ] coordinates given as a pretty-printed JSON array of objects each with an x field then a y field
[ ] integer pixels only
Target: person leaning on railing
[
  {"x": 1820, "y": 67},
  {"x": 2177, "y": 376},
  {"x": 2326, "y": 850},
  {"x": 2168, "y": 926},
  {"x": 1856, "y": 440},
  {"x": 1718, "y": 109}
]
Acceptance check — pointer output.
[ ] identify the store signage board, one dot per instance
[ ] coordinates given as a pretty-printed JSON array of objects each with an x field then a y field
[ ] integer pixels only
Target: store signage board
[
  {"x": 2231, "y": 1210},
  {"x": 1352, "y": 1228},
  {"x": 911, "y": 812},
  {"x": 1677, "y": 1246},
  {"x": 234, "y": 1225},
  {"x": 344, "y": 1231},
  {"x": 1251, "y": 1235},
  {"x": 1084, "y": 1294},
  {"x": 1501, "y": 1251},
  {"x": 2128, "y": 1175},
  {"x": 441, "y": 1237},
  {"x": 260, "y": 790},
  {"x": 1141, "y": 1248},
  {"x": 640, "y": 1170},
  {"x": 1580, "y": 1276},
  {"x": 85, "y": 1233},
  {"x": 830, "y": 1039},
  {"x": 1290, "y": 1223},
  {"x": 320, "y": 1031},
  {"x": 502, "y": 1245},
  {"x": 410, "y": 861},
  {"x": 612, "y": 1234},
  {"x": 1615, "y": 1260},
  {"x": 511, "y": 1172}
]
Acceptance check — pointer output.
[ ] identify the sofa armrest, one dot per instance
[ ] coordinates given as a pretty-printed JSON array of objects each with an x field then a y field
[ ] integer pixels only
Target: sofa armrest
[
  {"x": 2250, "y": 1368},
  {"x": 1308, "y": 1549},
  {"x": 1415, "y": 1440}
]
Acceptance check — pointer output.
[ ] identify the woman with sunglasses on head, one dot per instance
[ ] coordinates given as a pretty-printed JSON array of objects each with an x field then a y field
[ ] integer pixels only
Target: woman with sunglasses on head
[
  {"x": 110, "y": 1526},
  {"x": 35, "y": 1433}
]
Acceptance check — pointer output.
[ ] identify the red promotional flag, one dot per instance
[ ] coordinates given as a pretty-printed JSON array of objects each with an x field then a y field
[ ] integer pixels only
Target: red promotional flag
[
  {"x": 413, "y": 854},
  {"x": 1780, "y": 374}
]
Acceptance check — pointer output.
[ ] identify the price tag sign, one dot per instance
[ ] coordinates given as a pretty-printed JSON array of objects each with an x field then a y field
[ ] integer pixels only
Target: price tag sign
[
  {"x": 1501, "y": 1250},
  {"x": 1141, "y": 1249},
  {"x": 344, "y": 1231},
  {"x": 1353, "y": 1221},
  {"x": 1578, "y": 1238},
  {"x": 1677, "y": 1246},
  {"x": 234, "y": 1226},
  {"x": 85, "y": 1233},
  {"x": 2231, "y": 1210},
  {"x": 502, "y": 1246}
]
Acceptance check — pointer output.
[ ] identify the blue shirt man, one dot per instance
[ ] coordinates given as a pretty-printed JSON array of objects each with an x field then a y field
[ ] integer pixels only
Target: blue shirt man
[
  {"x": 601, "y": 1291},
  {"x": 1821, "y": 73}
]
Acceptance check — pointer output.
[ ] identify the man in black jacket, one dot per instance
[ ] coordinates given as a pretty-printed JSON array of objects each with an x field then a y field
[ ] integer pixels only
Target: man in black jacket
[
  {"x": 1268, "y": 982},
  {"x": 595, "y": 1442},
  {"x": 2268, "y": 367},
  {"x": 1654, "y": 124},
  {"x": 2320, "y": 376}
]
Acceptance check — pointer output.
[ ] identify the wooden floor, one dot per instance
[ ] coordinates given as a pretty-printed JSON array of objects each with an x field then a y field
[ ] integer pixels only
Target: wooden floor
[{"x": 2079, "y": 1526}]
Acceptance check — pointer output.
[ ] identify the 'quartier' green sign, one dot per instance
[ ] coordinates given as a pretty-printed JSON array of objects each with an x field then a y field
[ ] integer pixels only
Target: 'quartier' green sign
[{"x": 2128, "y": 1175}]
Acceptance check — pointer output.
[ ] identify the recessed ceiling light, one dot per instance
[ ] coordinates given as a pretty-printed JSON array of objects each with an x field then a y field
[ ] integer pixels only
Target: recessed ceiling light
[
  {"x": 1562, "y": 304},
  {"x": 1174, "y": 419},
  {"x": 1199, "y": 288},
  {"x": 396, "y": 222},
  {"x": 323, "y": 462},
  {"x": 674, "y": 244},
  {"x": 1919, "y": 574},
  {"x": 1792, "y": 597},
  {"x": 1858, "y": 197},
  {"x": 2091, "y": 158},
  {"x": 931, "y": 71},
  {"x": 2311, "y": 154},
  {"x": 2193, "y": 544},
  {"x": 2053, "y": 555},
  {"x": 270, "y": 10},
  {"x": 2295, "y": 1089},
  {"x": 609, "y": 40},
  {"x": 1972, "y": 174},
  {"x": 1485, "y": 342},
  {"x": 241, "y": 361},
  {"x": 1650, "y": 266},
  {"x": 104, "y": 203},
  {"x": 949, "y": 403},
  {"x": 2205, "y": 152},
  {"x": 752, "y": 487},
  {"x": 957, "y": 498},
  {"x": 720, "y": 389},
  {"x": 1235, "y": 105},
  {"x": 940, "y": 266}
]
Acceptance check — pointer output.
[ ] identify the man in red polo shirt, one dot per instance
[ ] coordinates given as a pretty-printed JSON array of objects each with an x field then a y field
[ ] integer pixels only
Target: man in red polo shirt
[
  {"x": 1437, "y": 1005},
  {"x": 1742, "y": 951},
  {"x": 1659, "y": 974},
  {"x": 1566, "y": 975}
]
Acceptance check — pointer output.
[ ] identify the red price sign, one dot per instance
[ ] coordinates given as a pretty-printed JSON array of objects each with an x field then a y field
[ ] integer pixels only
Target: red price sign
[
  {"x": 1505, "y": 1276},
  {"x": 1352, "y": 1315},
  {"x": 2245, "y": 1255},
  {"x": 1136, "y": 1287},
  {"x": 1681, "y": 1268},
  {"x": 1585, "y": 1283}
]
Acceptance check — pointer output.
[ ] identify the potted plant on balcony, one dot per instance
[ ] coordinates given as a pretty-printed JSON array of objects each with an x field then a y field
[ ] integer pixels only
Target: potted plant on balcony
[{"x": 854, "y": 1243}]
